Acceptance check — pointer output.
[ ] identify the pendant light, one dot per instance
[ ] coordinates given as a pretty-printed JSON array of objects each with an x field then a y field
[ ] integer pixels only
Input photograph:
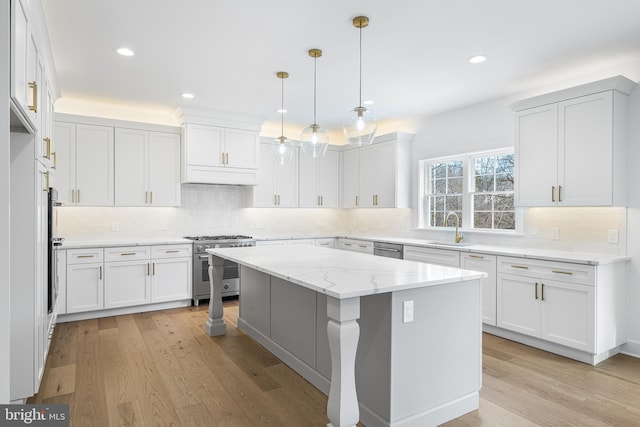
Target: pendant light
[
  {"x": 314, "y": 139},
  {"x": 360, "y": 124},
  {"x": 284, "y": 153}
]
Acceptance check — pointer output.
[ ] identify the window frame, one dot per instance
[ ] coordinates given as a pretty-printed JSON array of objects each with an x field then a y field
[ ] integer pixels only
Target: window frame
[{"x": 468, "y": 176}]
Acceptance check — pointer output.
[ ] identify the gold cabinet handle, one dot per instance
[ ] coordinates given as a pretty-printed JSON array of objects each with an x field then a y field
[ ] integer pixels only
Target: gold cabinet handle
[
  {"x": 524, "y": 267},
  {"x": 174, "y": 251},
  {"x": 48, "y": 141},
  {"x": 227, "y": 158},
  {"x": 127, "y": 253},
  {"x": 34, "y": 96},
  {"x": 562, "y": 272},
  {"x": 78, "y": 195},
  {"x": 46, "y": 188},
  {"x": 553, "y": 193},
  {"x": 476, "y": 256},
  {"x": 222, "y": 158},
  {"x": 363, "y": 246},
  {"x": 85, "y": 256},
  {"x": 559, "y": 193},
  {"x": 542, "y": 294},
  {"x": 346, "y": 244},
  {"x": 536, "y": 290},
  {"x": 73, "y": 196},
  {"x": 356, "y": 200},
  {"x": 153, "y": 268},
  {"x": 148, "y": 269},
  {"x": 317, "y": 200},
  {"x": 321, "y": 200},
  {"x": 54, "y": 155},
  {"x": 100, "y": 272},
  {"x": 151, "y": 197}
]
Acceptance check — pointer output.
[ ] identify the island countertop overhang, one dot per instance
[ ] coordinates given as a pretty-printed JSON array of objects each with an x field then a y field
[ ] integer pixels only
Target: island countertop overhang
[{"x": 343, "y": 274}]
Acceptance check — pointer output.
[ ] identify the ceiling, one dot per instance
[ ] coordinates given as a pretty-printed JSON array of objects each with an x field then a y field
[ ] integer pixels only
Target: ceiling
[{"x": 415, "y": 53}]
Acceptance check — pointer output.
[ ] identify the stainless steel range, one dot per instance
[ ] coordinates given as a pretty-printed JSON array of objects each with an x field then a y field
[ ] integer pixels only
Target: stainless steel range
[{"x": 230, "y": 280}]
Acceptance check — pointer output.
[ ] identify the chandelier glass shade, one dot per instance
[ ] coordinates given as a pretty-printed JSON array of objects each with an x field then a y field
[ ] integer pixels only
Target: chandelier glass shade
[
  {"x": 314, "y": 139},
  {"x": 285, "y": 150}
]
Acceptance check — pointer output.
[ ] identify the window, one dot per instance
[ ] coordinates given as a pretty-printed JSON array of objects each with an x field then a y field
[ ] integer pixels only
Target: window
[{"x": 478, "y": 187}]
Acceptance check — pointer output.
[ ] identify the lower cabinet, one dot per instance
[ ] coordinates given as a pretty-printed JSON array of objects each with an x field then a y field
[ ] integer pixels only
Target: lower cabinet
[
  {"x": 432, "y": 256},
  {"x": 486, "y": 264},
  {"x": 127, "y": 277},
  {"x": 354, "y": 245}
]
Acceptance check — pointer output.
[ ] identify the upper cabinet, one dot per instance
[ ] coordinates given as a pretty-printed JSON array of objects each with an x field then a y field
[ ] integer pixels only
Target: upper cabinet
[
  {"x": 147, "y": 168},
  {"x": 218, "y": 149},
  {"x": 320, "y": 180},
  {"x": 377, "y": 175},
  {"x": 277, "y": 185},
  {"x": 571, "y": 146}
]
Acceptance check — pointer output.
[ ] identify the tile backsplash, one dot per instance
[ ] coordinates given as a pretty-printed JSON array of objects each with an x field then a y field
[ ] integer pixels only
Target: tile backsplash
[{"x": 220, "y": 209}]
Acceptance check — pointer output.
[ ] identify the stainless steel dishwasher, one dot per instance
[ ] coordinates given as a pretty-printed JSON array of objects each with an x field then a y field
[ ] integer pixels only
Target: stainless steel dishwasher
[{"x": 389, "y": 250}]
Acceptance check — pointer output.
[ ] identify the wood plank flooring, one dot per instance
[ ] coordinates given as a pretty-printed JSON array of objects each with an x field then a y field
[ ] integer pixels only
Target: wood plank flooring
[{"x": 161, "y": 369}]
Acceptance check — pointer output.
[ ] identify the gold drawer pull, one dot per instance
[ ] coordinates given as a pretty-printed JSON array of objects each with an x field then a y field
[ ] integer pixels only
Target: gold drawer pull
[
  {"x": 34, "y": 96},
  {"x": 172, "y": 251},
  {"x": 127, "y": 253},
  {"x": 524, "y": 267},
  {"x": 363, "y": 246},
  {"x": 562, "y": 272},
  {"x": 347, "y": 244},
  {"x": 85, "y": 256},
  {"x": 476, "y": 256}
]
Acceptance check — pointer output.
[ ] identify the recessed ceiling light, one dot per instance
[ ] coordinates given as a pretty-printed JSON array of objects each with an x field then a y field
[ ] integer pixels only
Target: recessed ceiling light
[
  {"x": 124, "y": 51},
  {"x": 367, "y": 102},
  {"x": 281, "y": 110},
  {"x": 187, "y": 95},
  {"x": 477, "y": 59}
]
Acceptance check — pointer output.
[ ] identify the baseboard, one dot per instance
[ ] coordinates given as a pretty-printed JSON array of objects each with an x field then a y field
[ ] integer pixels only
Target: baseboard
[
  {"x": 72, "y": 317},
  {"x": 631, "y": 348}
]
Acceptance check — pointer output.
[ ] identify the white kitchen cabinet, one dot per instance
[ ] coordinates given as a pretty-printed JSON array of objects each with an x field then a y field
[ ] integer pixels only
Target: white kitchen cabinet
[
  {"x": 383, "y": 173},
  {"x": 320, "y": 180},
  {"x": 435, "y": 256},
  {"x": 127, "y": 283},
  {"x": 171, "y": 271},
  {"x": 147, "y": 168},
  {"x": 325, "y": 243},
  {"x": 85, "y": 280},
  {"x": 486, "y": 264},
  {"x": 277, "y": 184},
  {"x": 61, "y": 260},
  {"x": 220, "y": 155},
  {"x": 85, "y": 157},
  {"x": 570, "y": 147},
  {"x": 24, "y": 62},
  {"x": 355, "y": 245}
]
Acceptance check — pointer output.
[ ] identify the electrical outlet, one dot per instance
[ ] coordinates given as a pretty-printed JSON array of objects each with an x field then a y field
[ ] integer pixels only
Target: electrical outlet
[
  {"x": 115, "y": 226},
  {"x": 407, "y": 311},
  {"x": 613, "y": 236},
  {"x": 555, "y": 234}
]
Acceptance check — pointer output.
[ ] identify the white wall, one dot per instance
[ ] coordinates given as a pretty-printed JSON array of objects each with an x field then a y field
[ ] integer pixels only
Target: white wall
[
  {"x": 633, "y": 246},
  {"x": 5, "y": 192}
]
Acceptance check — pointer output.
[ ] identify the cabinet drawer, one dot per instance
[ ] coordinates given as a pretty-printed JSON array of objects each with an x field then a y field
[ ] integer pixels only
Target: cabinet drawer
[
  {"x": 432, "y": 256},
  {"x": 84, "y": 256},
  {"x": 127, "y": 253},
  {"x": 171, "y": 251},
  {"x": 566, "y": 272},
  {"x": 356, "y": 245}
]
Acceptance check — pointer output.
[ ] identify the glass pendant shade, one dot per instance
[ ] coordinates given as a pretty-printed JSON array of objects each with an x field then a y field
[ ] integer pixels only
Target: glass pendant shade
[
  {"x": 284, "y": 152},
  {"x": 360, "y": 125},
  {"x": 314, "y": 141}
]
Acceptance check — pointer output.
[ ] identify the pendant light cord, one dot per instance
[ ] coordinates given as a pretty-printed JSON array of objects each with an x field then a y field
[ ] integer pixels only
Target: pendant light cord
[
  {"x": 360, "y": 100},
  {"x": 282, "y": 109},
  {"x": 315, "y": 71}
]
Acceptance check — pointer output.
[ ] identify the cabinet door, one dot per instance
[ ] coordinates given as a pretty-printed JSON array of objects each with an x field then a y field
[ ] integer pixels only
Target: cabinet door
[
  {"x": 204, "y": 145},
  {"x": 131, "y": 167},
  {"x": 368, "y": 175},
  {"x": 264, "y": 191},
  {"x": 94, "y": 165},
  {"x": 241, "y": 148},
  {"x": 536, "y": 156},
  {"x": 567, "y": 314},
  {"x": 486, "y": 264},
  {"x": 171, "y": 279},
  {"x": 351, "y": 178},
  {"x": 309, "y": 176},
  {"x": 586, "y": 150},
  {"x": 286, "y": 183},
  {"x": 385, "y": 191},
  {"x": 164, "y": 169},
  {"x": 432, "y": 256},
  {"x": 328, "y": 179},
  {"x": 84, "y": 287},
  {"x": 19, "y": 41},
  {"x": 517, "y": 304},
  {"x": 127, "y": 283},
  {"x": 64, "y": 135},
  {"x": 61, "y": 260}
]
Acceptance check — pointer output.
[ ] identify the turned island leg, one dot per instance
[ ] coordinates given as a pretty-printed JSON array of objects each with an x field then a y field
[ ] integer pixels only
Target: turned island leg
[
  {"x": 215, "y": 325},
  {"x": 343, "y": 331}
]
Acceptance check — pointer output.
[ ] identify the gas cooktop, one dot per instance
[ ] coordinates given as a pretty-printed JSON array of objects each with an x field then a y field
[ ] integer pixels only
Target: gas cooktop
[{"x": 221, "y": 237}]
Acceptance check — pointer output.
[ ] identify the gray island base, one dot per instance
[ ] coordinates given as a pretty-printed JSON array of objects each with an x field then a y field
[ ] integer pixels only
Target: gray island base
[{"x": 391, "y": 342}]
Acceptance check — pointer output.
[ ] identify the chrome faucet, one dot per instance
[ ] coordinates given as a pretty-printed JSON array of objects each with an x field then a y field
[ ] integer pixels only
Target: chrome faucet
[{"x": 458, "y": 234}]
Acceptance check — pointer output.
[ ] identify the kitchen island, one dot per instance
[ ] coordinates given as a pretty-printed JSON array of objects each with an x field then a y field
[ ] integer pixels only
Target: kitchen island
[{"x": 392, "y": 342}]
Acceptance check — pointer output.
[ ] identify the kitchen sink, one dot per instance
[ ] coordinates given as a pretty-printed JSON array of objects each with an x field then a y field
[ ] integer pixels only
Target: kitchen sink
[{"x": 447, "y": 243}]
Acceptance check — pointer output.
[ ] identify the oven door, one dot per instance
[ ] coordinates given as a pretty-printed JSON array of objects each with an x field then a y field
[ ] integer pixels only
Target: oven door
[{"x": 201, "y": 288}]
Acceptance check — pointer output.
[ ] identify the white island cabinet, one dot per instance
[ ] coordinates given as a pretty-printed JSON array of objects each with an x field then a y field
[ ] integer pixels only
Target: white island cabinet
[{"x": 365, "y": 330}]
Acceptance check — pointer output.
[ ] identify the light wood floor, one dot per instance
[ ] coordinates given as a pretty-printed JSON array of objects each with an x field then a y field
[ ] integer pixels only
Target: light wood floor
[{"x": 161, "y": 369}]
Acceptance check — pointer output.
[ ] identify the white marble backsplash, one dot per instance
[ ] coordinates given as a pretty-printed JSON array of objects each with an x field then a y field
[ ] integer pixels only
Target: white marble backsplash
[{"x": 220, "y": 209}]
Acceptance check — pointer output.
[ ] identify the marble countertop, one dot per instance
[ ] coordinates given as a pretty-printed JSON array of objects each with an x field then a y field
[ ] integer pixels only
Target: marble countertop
[
  {"x": 343, "y": 274},
  {"x": 80, "y": 244}
]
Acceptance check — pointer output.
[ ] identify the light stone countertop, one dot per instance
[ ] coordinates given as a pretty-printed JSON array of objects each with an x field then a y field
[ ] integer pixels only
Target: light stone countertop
[
  {"x": 81, "y": 244},
  {"x": 343, "y": 274}
]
